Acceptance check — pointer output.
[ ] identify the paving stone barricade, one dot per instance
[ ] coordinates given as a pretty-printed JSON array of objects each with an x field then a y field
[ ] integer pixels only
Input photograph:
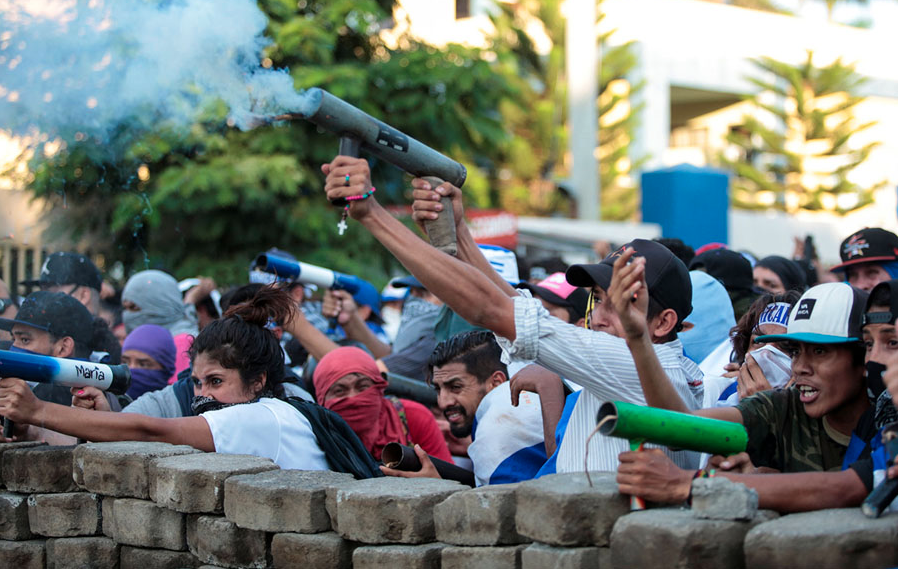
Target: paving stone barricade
[{"x": 153, "y": 505}]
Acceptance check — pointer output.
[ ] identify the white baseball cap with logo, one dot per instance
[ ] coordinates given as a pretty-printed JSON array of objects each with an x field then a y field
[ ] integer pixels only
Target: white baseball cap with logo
[
  {"x": 505, "y": 262},
  {"x": 829, "y": 313}
]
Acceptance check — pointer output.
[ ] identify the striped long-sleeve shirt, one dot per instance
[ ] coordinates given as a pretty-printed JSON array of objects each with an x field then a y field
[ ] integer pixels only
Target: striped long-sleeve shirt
[{"x": 603, "y": 366}]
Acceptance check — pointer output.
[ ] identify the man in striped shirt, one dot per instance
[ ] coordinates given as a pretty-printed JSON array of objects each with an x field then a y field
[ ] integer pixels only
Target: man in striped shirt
[{"x": 597, "y": 359}]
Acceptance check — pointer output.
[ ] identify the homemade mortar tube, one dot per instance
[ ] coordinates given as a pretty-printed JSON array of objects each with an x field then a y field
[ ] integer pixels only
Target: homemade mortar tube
[
  {"x": 360, "y": 131},
  {"x": 677, "y": 431},
  {"x": 68, "y": 373},
  {"x": 401, "y": 457},
  {"x": 306, "y": 273},
  {"x": 407, "y": 388}
]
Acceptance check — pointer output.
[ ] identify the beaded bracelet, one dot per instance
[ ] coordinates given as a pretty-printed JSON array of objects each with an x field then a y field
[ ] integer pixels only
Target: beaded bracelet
[
  {"x": 341, "y": 227},
  {"x": 703, "y": 473},
  {"x": 361, "y": 197}
]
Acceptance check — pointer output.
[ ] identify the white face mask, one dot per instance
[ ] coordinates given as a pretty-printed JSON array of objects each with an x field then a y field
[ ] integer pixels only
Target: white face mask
[
  {"x": 776, "y": 366},
  {"x": 392, "y": 317}
]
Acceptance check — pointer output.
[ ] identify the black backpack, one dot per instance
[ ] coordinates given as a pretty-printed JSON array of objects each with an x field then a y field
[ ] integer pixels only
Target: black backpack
[{"x": 342, "y": 448}]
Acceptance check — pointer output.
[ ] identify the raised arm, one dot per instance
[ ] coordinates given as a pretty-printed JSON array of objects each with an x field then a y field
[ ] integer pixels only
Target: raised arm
[
  {"x": 629, "y": 295},
  {"x": 340, "y": 305},
  {"x": 312, "y": 339},
  {"x": 651, "y": 475},
  {"x": 427, "y": 205},
  {"x": 466, "y": 290},
  {"x": 18, "y": 403}
]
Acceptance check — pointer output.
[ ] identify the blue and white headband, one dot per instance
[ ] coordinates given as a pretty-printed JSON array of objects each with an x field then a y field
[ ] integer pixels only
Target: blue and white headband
[{"x": 776, "y": 313}]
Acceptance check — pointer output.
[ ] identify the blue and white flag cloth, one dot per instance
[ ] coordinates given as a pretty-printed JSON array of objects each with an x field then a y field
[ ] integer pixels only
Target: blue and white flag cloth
[{"x": 508, "y": 441}]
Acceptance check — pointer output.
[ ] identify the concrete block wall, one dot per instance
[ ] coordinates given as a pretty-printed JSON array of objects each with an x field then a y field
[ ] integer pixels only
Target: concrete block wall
[{"x": 152, "y": 505}]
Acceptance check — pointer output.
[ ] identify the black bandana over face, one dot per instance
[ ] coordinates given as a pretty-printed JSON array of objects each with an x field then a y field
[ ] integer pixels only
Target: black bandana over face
[
  {"x": 203, "y": 404},
  {"x": 875, "y": 386}
]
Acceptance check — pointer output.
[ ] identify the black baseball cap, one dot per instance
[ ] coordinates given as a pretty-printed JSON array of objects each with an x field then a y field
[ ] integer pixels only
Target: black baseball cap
[
  {"x": 869, "y": 245},
  {"x": 68, "y": 268},
  {"x": 55, "y": 312},
  {"x": 882, "y": 317},
  {"x": 666, "y": 276},
  {"x": 729, "y": 267},
  {"x": 407, "y": 282}
]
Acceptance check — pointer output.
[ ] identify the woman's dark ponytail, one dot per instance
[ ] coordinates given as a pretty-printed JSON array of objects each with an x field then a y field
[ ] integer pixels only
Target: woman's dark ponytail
[{"x": 241, "y": 340}]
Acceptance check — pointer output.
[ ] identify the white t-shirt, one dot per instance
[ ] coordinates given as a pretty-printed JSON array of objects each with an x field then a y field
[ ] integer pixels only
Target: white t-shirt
[{"x": 270, "y": 428}]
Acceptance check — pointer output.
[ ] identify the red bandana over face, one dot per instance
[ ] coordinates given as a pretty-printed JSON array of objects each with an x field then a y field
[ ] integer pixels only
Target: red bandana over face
[{"x": 369, "y": 414}]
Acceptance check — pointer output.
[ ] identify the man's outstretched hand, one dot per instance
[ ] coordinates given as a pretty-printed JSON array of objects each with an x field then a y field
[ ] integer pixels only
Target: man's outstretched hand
[
  {"x": 629, "y": 294},
  {"x": 651, "y": 475},
  {"x": 359, "y": 183},
  {"x": 427, "y": 206},
  {"x": 428, "y": 470}
]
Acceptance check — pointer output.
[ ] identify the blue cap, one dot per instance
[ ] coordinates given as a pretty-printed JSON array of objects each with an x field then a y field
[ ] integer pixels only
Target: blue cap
[
  {"x": 409, "y": 281},
  {"x": 391, "y": 292},
  {"x": 367, "y": 295}
]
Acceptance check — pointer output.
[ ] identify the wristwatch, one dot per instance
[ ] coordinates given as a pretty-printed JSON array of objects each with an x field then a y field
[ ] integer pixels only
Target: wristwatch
[{"x": 6, "y": 303}]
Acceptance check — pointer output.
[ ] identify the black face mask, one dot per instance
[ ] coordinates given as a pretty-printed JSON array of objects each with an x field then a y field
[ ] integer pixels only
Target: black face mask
[
  {"x": 202, "y": 404},
  {"x": 875, "y": 386}
]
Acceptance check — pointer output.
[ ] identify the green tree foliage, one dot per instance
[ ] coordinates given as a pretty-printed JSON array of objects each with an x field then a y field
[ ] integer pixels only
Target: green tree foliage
[
  {"x": 206, "y": 199},
  {"x": 618, "y": 119},
  {"x": 803, "y": 156},
  {"x": 531, "y": 169}
]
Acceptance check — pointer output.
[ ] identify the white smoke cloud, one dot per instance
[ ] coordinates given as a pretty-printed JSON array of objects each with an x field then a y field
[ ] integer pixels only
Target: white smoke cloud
[{"x": 95, "y": 65}]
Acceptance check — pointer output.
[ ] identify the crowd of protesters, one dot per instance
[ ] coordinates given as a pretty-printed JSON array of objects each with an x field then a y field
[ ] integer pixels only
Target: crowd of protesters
[{"x": 467, "y": 362}]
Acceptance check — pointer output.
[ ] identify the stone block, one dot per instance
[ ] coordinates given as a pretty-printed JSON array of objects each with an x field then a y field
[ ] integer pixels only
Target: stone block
[
  {"x": 6, "y": 447},
  {"x": 107, "y": 511},
  {"x": 137, "y": 558},
  {"x": 289, "y": 550},
  {"x": 508, "y": 557},
  {"x": 330, "y": 502},
  {"x": 281, "y": 500},
  {"x": 675, "y": 538},
  {"x": 14, "y": 523},
  {"x": 723, "y": 499},
  {"x": 215, "y": 540},
  {"x": 425, "y": 556},
  {"x": 562, "y": 509},
  {"x": 391, "y": 510},
  {"x": 539, "y": 556},
  {"x": 146, "y": 524},
  {"x": 194, "y": 483},
  {"x": 64, "y": 515},
  {"x": 122, "y": 468},
  {"x": 823, "y": 540},
  {"x": 93, "y": 552},
  {"x": 482, "y": 516},
  {"x": 23, "y": 554},
  {"x": 38, "y": 469}
]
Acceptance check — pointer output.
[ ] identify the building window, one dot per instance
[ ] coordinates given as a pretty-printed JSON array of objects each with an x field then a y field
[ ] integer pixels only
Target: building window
[{"x": 462, "y": 9}]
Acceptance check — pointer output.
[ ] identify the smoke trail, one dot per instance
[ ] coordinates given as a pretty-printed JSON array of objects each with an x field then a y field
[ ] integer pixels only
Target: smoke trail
[{"x": 95, "y": 65}]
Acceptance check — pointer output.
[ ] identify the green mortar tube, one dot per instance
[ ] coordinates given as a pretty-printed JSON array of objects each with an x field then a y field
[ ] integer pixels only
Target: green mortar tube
[{"x": 678, "y": 431}]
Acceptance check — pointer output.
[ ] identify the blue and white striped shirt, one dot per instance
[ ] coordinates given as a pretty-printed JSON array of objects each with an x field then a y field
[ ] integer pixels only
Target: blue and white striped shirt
[{"x": 603, "y": 366}]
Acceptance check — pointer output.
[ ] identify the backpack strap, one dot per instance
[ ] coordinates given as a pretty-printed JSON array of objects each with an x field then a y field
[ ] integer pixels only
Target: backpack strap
[
  {"x": 342, "y": 448},
  {"x": 183, "y": 389},
  {"x": 403, "y": 417}
]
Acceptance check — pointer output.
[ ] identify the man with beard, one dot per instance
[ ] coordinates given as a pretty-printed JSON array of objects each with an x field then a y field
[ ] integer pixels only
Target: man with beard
[{"x": 473, "y": 393}]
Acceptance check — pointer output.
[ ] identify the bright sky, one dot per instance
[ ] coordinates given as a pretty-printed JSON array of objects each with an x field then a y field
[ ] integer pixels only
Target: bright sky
[{"x": 883, "y": 13}]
